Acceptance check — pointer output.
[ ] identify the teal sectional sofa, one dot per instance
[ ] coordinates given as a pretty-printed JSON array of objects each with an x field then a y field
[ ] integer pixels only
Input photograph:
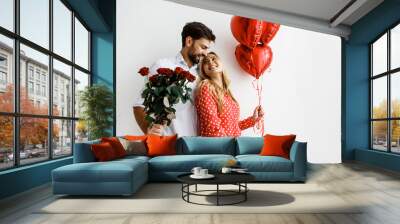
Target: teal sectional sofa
[{"x": 125, "y": 176}]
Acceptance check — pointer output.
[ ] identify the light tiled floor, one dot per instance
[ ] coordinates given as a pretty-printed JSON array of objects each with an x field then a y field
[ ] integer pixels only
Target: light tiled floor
[{"x": 378, "y": 188}]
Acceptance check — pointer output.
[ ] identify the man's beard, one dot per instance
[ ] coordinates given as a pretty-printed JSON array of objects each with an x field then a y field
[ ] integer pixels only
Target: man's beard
[{"x": 195, "y": 59}]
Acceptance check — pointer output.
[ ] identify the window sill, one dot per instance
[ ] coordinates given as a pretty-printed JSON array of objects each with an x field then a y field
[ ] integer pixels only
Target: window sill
[
  {"x": 26, "y": 167},
  {"x": 382, "y": 159},
  {"x": 381, "y": 152}
]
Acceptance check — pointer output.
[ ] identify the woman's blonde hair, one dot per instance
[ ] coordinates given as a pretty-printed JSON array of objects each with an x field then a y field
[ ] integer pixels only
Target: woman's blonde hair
[{"x": 215, "y": 89}]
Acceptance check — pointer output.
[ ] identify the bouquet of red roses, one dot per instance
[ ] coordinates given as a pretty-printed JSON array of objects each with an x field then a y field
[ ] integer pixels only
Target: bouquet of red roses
[{"x": 164, "y": 90}]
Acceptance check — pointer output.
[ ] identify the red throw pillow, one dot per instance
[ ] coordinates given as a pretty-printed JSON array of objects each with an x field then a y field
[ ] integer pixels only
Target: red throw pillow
[
  {"x": 103, "y": 152},
  {"x": 277, "y": 145},
  {"x": 161, "y": 145},
  {"x": 116, "y": 145}
]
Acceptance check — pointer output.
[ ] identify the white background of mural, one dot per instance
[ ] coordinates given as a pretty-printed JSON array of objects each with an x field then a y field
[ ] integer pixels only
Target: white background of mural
[{"x": 301, "y": 94}]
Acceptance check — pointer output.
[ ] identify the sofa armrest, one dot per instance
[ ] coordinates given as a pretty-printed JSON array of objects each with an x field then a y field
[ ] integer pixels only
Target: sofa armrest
[
  {"x": 298, "y": 155},
  {"x": 83, "y": 152}
]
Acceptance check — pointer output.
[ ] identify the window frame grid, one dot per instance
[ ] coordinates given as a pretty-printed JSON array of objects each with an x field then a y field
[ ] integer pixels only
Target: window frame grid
[
  {"x": 388, "y": 74},
  {"x": 16, "y": 114}
]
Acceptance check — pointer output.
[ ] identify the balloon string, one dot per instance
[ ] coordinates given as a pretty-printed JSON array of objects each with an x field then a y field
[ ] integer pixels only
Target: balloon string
[{"x": 259, "y": 125}]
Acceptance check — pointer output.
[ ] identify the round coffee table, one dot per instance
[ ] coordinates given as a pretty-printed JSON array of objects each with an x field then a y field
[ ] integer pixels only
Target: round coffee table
[{"x": 238, "y": 179}]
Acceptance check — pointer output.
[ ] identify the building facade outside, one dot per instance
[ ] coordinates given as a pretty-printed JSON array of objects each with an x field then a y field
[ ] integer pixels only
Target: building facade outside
[{"x": 34, "y": 82}]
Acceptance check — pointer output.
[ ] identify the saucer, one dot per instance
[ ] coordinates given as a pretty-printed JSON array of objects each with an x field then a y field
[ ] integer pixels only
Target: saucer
[
  {"x": 240, "y": 171},
  {"x": 208, "y": 176}
]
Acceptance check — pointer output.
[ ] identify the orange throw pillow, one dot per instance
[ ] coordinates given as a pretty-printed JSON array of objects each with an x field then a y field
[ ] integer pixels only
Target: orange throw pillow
[
  {"x": 103, "y": 152},
  {"x": 136, "y": 138},
  {"x": 116, "y": 145},
  {"x": 161, "y": 145},
  {"x": 277, "y": 145}
]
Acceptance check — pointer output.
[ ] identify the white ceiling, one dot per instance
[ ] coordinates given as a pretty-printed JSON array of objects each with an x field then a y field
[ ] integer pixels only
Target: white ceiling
[
  {"x": 321, "y": 9},
  {"x": 326, "y": 16}
]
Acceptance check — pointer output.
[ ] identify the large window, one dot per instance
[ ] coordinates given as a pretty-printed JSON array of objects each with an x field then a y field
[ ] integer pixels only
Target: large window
[
  {"x": 44, "y": 64},
  {"x": 385, "y": 91},
  {"x": 7, "y": 14}
]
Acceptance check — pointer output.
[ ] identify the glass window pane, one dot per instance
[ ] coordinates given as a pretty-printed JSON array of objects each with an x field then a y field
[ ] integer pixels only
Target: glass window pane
[
  {"x": 395, "y": 94},
  {"x": 81, "y": 81},
  {"x": 33, "y": 140},
  {"x": 81, "y": 45},
  {"x": 379, "y": 55},
  {"x": 395, "y": 136},
  {"x": 34, "y": 72},
  {"x": 35, "y": 21},
  {"x": 395, "y": 47},
  {"x": 379, "y": 135},
  {"x": 379, "y": 98},
  {"x": 62, "y": 89},
  {"x": 62, "y": 29},
  {"x": 7, "y": 14},
  {"x": 6, "y": 74},
  {"x": 62, "y": 138},
  {"x": 6, "y": 142},
  {"x": 81, "y": 131}
]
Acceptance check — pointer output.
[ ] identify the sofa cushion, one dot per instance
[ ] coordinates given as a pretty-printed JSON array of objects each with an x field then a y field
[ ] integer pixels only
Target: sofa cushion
[
  {"x": 103, "y": 152},
  {"x": 83, "y": 152},
  {"x": 131, "y": 158},
  {"x": 134, "y": 147},
  {"x": 207, "y": 145},
  {"x": 275, "y": 145},
  {"x": 249, "y": 145},
  {"x": 135, "y": 137},
  {"x": 185, "y": 163},
  {"x": 116, "y": 145},
  {"x": 257, "y": 163},
  {"x": 111, "y": 171},
  {"x": 161, "y": 145}
]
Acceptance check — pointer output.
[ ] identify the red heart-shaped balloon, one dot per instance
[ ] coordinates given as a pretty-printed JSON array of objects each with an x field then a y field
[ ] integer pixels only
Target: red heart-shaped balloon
[
  {"x": 254, "y": 61},
  {"x": 247, "y": 31},
  {"x": 269, "y": 32}
]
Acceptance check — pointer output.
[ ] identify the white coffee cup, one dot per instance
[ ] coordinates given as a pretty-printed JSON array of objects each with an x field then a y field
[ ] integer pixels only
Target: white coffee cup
[
  {"x": 196, "y": 171},
  {"x": 226, "y": 170},
  {"x": 203, "y": 172}
]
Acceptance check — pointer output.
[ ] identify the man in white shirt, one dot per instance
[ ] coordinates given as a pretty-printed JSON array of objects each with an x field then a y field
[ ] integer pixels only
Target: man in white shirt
[{"x": 196, "y": 40}]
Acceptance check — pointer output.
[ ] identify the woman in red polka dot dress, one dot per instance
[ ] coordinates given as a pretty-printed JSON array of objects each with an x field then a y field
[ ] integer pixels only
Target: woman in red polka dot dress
[{"x": 218, "y": 112}]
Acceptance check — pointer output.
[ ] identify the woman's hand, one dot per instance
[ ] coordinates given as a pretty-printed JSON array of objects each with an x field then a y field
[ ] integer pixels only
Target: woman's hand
[
  {"x": 155, "y": 129},
  {"x": 258, "y": 113}
]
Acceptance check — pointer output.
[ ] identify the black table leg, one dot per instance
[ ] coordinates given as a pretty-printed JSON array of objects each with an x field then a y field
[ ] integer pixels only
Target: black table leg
[
  {"x": 243, "y": 189},
  {"x": 188, "y": 190},
  {"x": 217, "y": 194},
  {"x": 245, "y": 193},
  {"x": 182, "y": 189}
]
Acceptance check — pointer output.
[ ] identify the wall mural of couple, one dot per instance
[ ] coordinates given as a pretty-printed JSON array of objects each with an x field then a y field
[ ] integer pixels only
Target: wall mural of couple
[{"x": 190, "y": 94}]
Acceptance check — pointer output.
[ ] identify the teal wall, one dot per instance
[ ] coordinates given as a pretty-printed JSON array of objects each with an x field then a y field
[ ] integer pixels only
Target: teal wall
[
  {"x": 103, "y": 64},
  {"x": 381, "y": 159},
  {"x": 356, "y": 105},
  {"x": 24, "y": 178},
  {"x": 103, "y": 53},
  {"x": 102, "y": 58},
  {"x": 92, "y": 12},
  {"x": 355, "y": 84},
  {"x": 99, "y": 16}
]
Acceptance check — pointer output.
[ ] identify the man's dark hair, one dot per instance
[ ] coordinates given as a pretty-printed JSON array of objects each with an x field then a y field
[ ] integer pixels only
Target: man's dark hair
[{"x": 197, "y": 31}]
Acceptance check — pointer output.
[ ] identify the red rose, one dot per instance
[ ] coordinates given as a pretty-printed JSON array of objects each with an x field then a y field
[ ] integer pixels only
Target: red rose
[
  {"x": 179, "y": 70},
  {"x": 144, "y": 71},
  {"x": 189, "y": 76},
  {"x": 153, "y": 78},
  {"x": 165, "y": 71}
]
